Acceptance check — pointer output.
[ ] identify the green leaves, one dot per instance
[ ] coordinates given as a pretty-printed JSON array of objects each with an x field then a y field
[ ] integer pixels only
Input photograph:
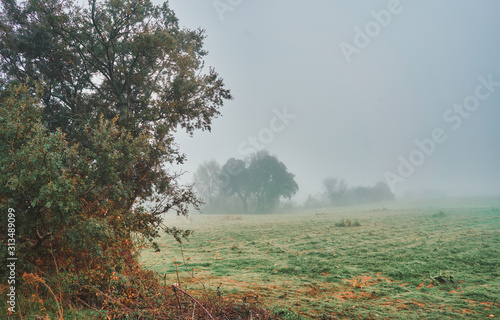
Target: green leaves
[
  {"x": 178, "y": 234},
  {"x": 81, "y": 154},
  {"x": 127, "y": 62},
  {"x": 68, "y": 194}
]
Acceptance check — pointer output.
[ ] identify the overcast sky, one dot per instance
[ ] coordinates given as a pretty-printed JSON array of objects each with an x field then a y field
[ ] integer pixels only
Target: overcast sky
[{"x": 345, "y": 88}]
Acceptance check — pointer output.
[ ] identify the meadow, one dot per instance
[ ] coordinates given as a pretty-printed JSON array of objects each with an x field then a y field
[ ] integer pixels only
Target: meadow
[{"x": 399, "y": 260}]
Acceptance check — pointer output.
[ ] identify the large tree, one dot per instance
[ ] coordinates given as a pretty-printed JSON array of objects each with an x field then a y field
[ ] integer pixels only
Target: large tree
[
  {"x": 127, "y": 60},
  {"x": 235, "y": 180},
  {"x": 259, "y": 183},
  {"x": 120, "y": 58},
  {"x": 270, "y": 180},
  {"x": 106, "y": 86}
]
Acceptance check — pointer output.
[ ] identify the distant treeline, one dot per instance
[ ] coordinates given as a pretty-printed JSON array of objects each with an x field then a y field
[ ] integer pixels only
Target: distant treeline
[
  {"x": 262, "y": 184},
  {"x": 338, "y": 193}
]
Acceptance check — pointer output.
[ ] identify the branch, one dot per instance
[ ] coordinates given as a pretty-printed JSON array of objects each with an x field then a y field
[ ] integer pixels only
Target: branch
[{"x": 196, "y": 301}]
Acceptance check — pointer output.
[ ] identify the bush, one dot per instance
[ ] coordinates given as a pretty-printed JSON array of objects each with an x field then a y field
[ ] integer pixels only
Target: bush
[
  {"x": 440, "y": 214},
  {"x": 347, "y": 223}
]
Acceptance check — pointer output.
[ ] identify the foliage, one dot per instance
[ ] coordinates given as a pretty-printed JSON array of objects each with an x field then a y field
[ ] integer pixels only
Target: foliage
[
  {"x": 90, "y": 97},
  {"x": 128, "y": 61},
  {"x": 338, "y": 192},
  {"x": 442, "y": 278},
  {"x": 121, "y": 58},
  {"x": 259, "y": 183},
  {"x": 269, "y": 180},
  {"x": 312, "y": 202},
  {"x": 235, "y": 178},
  {"x": 206, "y": 180},
  {"x": 71, "y": 209},
  {"x": 346, "y": 222}
]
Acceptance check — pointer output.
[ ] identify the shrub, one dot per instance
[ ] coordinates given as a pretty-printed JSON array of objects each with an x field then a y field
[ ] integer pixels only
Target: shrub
[
  {"x": 439, "y": 214},
  {"x": 345, "y": 222}
]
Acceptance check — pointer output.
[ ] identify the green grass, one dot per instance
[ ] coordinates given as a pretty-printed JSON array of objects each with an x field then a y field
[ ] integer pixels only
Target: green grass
[{"x": 405, "y": 261}]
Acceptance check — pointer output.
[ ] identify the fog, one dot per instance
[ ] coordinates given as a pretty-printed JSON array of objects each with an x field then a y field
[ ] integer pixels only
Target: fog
[{"x": 405, "y": 92}]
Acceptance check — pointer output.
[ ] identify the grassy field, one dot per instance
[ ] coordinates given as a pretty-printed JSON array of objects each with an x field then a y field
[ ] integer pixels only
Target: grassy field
[{"x": 407, "y": 260}]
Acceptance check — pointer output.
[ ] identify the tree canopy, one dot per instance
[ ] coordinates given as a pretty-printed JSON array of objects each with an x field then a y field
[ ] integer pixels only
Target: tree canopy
[
  {"x": 258, "y": 183},
  {"x": 269, "y": 180}
]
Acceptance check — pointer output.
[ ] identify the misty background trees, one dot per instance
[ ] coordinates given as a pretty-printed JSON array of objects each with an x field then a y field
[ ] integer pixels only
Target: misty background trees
[
  {"x": 338, "y": 192},
  {"x": 262, "y": 184},
  {"x": 255, "y": 185}
]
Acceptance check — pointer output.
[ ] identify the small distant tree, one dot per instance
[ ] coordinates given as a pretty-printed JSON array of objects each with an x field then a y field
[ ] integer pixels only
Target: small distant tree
[
  {"x": 313, "y": 202},
  {"x": 381, "y": 191},
  {"x": 360, "y": 194},
  {"x": 206, "y": 180},
  {"x": 336, "y": 190}
]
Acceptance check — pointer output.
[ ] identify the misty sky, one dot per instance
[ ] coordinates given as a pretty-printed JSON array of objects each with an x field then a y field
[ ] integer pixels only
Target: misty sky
[{"x": 343, "y": 89}]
